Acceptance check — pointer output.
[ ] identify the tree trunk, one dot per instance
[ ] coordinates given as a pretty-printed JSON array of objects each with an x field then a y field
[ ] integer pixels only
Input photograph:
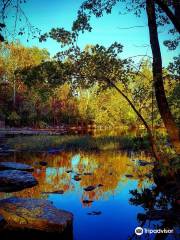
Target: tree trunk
[
  {"x": 162, "y": 103},
  {"x": 152, "y": 141}
]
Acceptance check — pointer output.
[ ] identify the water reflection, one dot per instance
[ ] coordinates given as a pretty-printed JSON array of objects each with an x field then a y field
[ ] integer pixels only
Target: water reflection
[
  {"x": 103, "y": 190},
  {"x": 161, "y": 215},
  {"x": 106, "y": 172}
]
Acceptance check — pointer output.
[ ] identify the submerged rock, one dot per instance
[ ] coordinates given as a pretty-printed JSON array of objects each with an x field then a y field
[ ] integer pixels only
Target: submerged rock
[
  {"x": 77, "y": 178},
  {"x": 100, "y": 185},
  {"x": 56, "y": 192},
  {"x": 129, "y": 175},
  {"x": 87, "y": 201},
  {"x": 88, "y": 174},
  {"x": 89, "y": 188},
  {"x": 15, "y": 180},
  {"x": 69, "y": 171},
  {"x": 22, "y": 214},
  {"x": 15, "y": 166}
]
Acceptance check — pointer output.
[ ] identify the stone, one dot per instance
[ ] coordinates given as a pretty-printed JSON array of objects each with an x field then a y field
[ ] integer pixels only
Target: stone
[
  {"x": 69, "y": 171},
  {"x": 100, "y": 185},
  {"x": 26, "y": 214},
  {"x": 87, "y": 201},
  {"x": 89, "y": 188},
  {"x": 56, "y": 192},
  {"x": 15, "y": 166},
  {"x": 88, "y": 174},
  {"x": 15, "y": 180},
  {"x": 77, "y": 178},
  {"x": 129, "y": 175}
]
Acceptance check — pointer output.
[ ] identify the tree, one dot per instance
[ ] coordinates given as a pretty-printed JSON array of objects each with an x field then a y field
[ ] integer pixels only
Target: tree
[
  {"x": 15, "y": 57},
  {"x": 97, "y": 64},
  {"x": 82, "y": 23},
  {"x": 14, "y": 22},
  {"x": 164, "y": 109}
]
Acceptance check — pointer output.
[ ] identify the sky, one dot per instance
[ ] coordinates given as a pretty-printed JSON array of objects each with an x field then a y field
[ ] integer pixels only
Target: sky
[{"x": 45, "y": 15}]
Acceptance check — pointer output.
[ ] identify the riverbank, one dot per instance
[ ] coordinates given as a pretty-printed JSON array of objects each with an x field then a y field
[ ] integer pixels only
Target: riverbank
[{"x": 72, "y": 142}]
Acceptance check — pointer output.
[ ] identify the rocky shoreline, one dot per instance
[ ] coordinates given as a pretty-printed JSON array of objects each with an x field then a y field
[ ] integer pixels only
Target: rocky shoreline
[{"x": 26, "y": 216}]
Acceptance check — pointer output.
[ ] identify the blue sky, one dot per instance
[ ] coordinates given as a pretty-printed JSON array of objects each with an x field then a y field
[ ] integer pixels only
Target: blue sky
[{"x": 46, "y": 14}]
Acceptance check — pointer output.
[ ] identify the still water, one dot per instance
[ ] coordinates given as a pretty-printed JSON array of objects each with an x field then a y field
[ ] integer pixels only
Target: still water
[{"x": 103, "y": 213}]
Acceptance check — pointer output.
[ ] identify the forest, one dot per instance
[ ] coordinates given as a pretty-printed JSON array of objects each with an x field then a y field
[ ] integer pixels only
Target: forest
[{"x": 90, "y": 123}]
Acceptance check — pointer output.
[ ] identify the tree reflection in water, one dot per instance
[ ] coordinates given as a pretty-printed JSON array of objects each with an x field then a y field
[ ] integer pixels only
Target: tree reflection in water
[
  {"x": 105, "y": 171},
  {"x": 161, "y": 205}
]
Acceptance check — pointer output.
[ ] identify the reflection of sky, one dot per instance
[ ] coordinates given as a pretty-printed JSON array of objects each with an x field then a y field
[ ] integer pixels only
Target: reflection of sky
[
  {"x": 117, "y": 221},
  {"x": 75, "y": 160}
]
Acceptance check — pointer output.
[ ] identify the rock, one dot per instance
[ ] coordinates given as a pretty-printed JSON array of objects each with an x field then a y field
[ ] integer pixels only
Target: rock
[
  {"x": 56, "y": 192},
  {"x": 15, "y": 166},
  {"x": 88, "y": 174},
  {"x": 89, "y": 188},
  {"x": 129, "y": 175},
  {"x": 95, "y": 213},
  {"x": 87, "y": 201},
  {"x": 69, "y": 171},
  {"x": 25, "y": 214},
  {"x": 43, "y": 163},
  {"x": 100, "y": 185},
  {"x": 15, "y": 180},
  {"x": 77, "y": 178}
]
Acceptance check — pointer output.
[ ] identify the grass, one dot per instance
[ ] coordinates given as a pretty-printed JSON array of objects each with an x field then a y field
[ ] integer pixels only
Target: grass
[{"x": 70, "y": 142}]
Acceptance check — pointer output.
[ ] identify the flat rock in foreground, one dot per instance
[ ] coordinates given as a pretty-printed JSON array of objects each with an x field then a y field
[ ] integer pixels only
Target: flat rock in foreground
[
  {"x": 15, "y": 180},
  {"x": 25, "y": 214},
  {"x": 15, "y": 166}
]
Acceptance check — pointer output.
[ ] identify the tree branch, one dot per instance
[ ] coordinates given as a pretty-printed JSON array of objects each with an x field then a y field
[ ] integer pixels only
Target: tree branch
[{"x": 169, "y": 13}]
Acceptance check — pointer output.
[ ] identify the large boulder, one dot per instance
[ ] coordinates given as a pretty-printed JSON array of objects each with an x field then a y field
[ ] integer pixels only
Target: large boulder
[
  {"x": 34, "y": 215},
  {"x": 15, "y": 180},
  {"x": 15, "y": 166}
]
